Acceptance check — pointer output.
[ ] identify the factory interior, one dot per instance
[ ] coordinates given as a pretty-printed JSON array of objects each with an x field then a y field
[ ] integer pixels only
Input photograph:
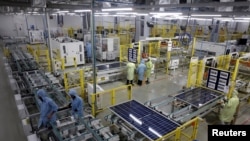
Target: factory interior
[{"x": 189, "y": 57}]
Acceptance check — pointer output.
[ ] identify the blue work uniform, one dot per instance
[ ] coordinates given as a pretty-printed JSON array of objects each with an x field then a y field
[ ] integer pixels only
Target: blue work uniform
[
  {"x": 89, "y": 50},
  {"x": 76, "y": 104},
  {"x": 47, "y": 106},
  {"x": 141, "y": 70}
]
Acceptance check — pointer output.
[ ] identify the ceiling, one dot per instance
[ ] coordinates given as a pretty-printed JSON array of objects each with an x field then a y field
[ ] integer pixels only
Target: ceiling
[{"x": 225, "y": 7}]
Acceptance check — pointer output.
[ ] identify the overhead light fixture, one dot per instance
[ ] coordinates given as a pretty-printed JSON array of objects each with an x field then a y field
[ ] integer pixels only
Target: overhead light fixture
[
  {"x": 201, "y": 19},
  {"x": 242, "y": 21},
  {"x": 86, "y": 10},
  {"x": 135, "y": 119},
  {"x": 32, "y": 12},
  {"x": 166, "y": 13},
  {"x": 127, "y": 13},
  {"x": 204, "y": 15},
  {"x": 141, "y": 14},
  {"x": 118, "y": 9},
  {"x": 154, "y": 132},
  {"x": 102, "y": 13},
  {"x": 63, "y": 11},
  {"x": 243, "y": 18}
]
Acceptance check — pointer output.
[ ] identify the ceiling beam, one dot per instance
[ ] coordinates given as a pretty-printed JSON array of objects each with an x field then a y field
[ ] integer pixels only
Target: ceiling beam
[
  {"x": 194, "y": 5},
  {"x": 68, "y": 6},
  {"x": 15, "y": 4}
]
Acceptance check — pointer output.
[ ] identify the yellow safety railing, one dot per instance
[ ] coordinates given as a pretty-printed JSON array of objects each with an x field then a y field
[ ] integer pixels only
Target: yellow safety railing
[
  {"x": 183, "y": 133},
  {"x": 198, "y": 74},
  {"x": 41, "y": 55},
  {"x": 6, "y": 52},
  {"x": 99, "y": 100},
  {"x": 223, "y": 62},
  {"x": 74, "y": 79}
]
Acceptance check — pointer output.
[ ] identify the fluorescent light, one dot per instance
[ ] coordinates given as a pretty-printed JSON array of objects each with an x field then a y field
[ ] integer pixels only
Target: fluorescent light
[
  {"x": 118, "y": 9},
  {"x": 102, "y": 13},
  {"x": 127, "y": 13},
  {"x": 63, "y": 11},
  {"x": 141, "y": 14},
  {"x": 86, "y": 10},
  {"x": 153, "y": 131},
  {"x": 201, "y": 19},
  {"x": 167, "y": 13},
  {"x": 32, "y": 12},
  {"x": 239, "y": 18},
  {"x": 135, "y": 119},
  {"x": 242, "y": 21},
  {"x": 204, "y": 15}
]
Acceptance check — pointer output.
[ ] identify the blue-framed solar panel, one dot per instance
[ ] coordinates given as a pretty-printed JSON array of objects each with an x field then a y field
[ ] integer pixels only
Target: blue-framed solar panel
[
  {"x": 148, "y": 122},
  {"x": 199, "y": 97}
]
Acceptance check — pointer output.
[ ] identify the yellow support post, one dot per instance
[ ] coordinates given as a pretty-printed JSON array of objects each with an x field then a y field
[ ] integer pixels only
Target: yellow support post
[
  {"x": 168, "y": 59},
  {"x": 201, "y": 69},
  {"x": 93, "y": 100},
  {"x": 233, "y": 79},
  {"x": 82, "y": 83},
  {"x": 129, "y": 92},
  {"x": 195, "y": 128},
  {"x": 192, "y": 73},
  {"x": 63, "y": 66},
  {"x": 178, "y": 134},
  {"x": 66, "y": 85},
  {"x": 113, "y": 100},
  {"x": 193, "y": 47}
]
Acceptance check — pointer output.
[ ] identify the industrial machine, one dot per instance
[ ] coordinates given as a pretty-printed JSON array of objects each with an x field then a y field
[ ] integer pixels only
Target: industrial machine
[
  {"x": 36, "y": 37},
  {"x": 25, "y": 82},
  {"x": 108, "y": 49},
  {"x": 68, "y": 49},
  {"x": 108, "y": 72}
]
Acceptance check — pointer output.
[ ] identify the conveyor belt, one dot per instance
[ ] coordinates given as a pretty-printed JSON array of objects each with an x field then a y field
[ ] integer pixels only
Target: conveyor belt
[
  {"x": 151, "y": 124},
  {"x": 198, "y": 96},
  {"x": 110, "y": 66}
]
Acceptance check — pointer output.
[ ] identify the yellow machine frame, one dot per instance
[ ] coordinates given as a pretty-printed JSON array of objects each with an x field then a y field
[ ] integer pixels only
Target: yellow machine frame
[
  {"x": 67, "y": 86},
  {"x": 113, "y": 93}
]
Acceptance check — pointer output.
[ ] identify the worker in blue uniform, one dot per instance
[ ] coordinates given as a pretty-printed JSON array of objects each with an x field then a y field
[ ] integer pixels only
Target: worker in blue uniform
[
  {"x": 89, "y": 52},
  {"x": 48, "y": 109},
  {"x": 229, "y": 108},
  {"x": 141, "y": 70},
  {"x": 76, "y": 104}
]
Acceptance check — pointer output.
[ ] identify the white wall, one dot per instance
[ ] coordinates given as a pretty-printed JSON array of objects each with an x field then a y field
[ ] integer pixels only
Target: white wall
[{"x": 242, "y": 26}]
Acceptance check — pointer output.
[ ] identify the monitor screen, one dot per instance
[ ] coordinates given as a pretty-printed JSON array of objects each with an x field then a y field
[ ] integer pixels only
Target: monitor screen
[{"x": 242, "y": 41}]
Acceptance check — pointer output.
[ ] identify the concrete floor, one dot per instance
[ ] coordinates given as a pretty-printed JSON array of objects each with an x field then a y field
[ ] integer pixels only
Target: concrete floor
[{"x": 11, "y": 127}]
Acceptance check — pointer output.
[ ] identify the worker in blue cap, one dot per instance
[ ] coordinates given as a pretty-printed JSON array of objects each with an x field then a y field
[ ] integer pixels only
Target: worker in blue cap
[
  {"x": 76, "y": 104},
  {"x": 141, "y": 70},
  {"x": 48, "y": 109},
  {"x": 229, "y": 109},
  {"x": 89, "y": 52}
]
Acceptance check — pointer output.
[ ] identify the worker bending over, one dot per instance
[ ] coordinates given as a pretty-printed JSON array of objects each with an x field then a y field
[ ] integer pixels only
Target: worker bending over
[
  {"x": 149, "y": 66},
  {"x": 76, "y": 104},
  {"x": 229, "y": 109},
  {"x": 130, "y": 73},
  {"x": 48, "y": 109}
]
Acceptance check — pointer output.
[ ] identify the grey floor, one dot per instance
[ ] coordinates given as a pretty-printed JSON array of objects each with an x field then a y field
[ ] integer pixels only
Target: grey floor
[{"x": 11, "y": 127}]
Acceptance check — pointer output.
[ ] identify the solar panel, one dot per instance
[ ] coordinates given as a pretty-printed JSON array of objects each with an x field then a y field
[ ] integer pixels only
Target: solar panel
[
  {"x": 148, "y": 122},
  {"x": 198, "y": 97}
]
